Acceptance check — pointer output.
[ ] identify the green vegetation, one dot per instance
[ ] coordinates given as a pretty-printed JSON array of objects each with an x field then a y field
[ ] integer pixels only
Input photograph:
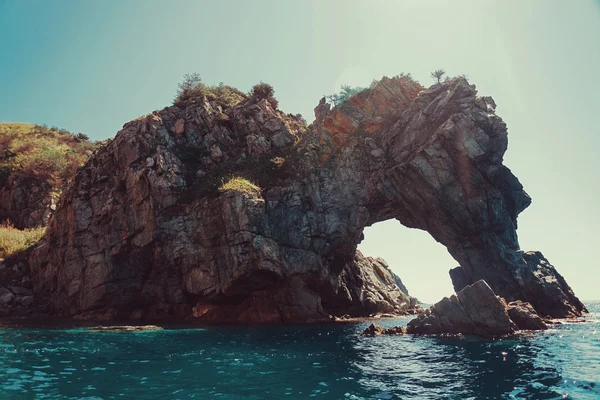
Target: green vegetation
[
  {"x": 344, "y": 94},
  {"x": 240, "y": 184},
  {"x": 437, "y": 74},
  {"x": 192, "y": 86},
  {"x": 13, "y": 240},
  {"x": 40, "y": 153},
  {"x": 264, "y": 91},
  {"x": 227, "y": 96},
  {"x": 263, "y": 171},
  {"x": 348, "y": 91}
]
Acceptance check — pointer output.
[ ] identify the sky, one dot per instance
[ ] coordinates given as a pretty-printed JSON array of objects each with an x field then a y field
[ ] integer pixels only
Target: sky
[{"x": 91, "y": 66}]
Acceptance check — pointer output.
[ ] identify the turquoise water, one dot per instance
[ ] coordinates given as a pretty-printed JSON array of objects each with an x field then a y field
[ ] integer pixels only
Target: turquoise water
[{"x": 301, "y": 362}]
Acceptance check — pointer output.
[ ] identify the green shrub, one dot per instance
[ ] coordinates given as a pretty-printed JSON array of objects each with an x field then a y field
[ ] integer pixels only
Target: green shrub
[
  {"x": 192, "y": 86},
  {"x": 437, "y": 74},
  {"x": 264, "y": 91},
  {"x": 344, "y": 94},
  {"x": 13, "y": 240}
]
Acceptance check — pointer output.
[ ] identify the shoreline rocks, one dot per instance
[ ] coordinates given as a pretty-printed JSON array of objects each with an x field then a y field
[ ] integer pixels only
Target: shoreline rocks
[
  {"x": 525, "y": 317},
  {"x": 475, "y": 310}
]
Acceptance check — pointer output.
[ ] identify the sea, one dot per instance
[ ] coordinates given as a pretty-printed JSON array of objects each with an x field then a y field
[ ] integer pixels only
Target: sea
[{"x": 298, "y": 362}]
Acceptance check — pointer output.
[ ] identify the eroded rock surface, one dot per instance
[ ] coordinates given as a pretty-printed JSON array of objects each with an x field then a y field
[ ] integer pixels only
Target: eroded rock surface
[
  {"x": 143, "y": 232},
  {"x": 378, "y": 330},
  {"x": 474, "y": 310},
  {"x": 525, "y": 317},
  {"x": 26, "y": 203},
  {"x": 16, "y": 289}
]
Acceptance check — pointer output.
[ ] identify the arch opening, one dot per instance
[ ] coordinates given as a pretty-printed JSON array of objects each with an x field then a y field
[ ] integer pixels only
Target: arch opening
[{"x": 421, "y": 263}]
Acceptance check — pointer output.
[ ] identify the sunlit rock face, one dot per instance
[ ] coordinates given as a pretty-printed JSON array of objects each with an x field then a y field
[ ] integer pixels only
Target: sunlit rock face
[{"x": 143, "y": 232}]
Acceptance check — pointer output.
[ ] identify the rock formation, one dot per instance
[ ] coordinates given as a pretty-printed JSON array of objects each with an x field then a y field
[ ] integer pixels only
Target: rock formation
[
  {"x": 26, "y": 203},
  {"x": 16, "y": 289},
  {"x": 474, "y": 310},
  {"x": 525, "y": 317},
  {"x": 378, "y": 330},
  {"x": 144, "y": 231}
]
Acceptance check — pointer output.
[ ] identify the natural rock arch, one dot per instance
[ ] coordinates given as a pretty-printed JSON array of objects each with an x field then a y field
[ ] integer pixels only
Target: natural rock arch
[{"x": 143, "y": 232}]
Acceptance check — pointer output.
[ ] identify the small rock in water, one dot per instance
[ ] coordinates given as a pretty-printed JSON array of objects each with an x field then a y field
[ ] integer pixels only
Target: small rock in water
[
  {"x": 126, "y": 328},
  {"x": 378, "y": 330}
]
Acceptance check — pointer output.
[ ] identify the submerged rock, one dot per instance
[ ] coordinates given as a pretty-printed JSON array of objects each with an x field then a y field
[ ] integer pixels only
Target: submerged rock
[
  {"x": 143, "y": 231},
  {"x": 377, "y": 330},
  {"x": 126, "y": 328}
]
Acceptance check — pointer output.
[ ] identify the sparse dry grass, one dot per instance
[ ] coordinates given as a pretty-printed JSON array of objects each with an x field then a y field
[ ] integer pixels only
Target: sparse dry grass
[
  {"x": 240, "y": 184},
  {"x": 13, "y": 240},
  {"x": 42, "y": 153},
  {"x": 278, "y": 161}
]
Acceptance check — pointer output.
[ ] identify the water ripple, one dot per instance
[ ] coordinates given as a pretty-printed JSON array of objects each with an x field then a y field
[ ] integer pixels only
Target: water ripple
[{"x": 330, "y": 362}]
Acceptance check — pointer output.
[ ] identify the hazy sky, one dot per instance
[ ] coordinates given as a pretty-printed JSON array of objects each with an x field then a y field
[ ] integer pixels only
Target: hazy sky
[{"x": 91, "y": 66}]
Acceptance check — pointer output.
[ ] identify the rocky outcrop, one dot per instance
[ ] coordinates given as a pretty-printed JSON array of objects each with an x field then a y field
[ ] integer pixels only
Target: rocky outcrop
[
  {"x": 16, "y": 289},
  {"x": 378, "y": 330},
  {"x": 525, "y": 317},
  {"x": 366, "y": 286},
  {"x": 26, "y": 203},
  {"x": 144, "y": 231},
  {"x": 474, "y": 310}
]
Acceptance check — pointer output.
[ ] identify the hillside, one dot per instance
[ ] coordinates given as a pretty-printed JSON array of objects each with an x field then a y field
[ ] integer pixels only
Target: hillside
[{"x": 36, "y": 162}]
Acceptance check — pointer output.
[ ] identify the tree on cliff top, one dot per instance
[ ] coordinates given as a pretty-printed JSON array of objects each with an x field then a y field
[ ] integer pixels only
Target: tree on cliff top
[
  {"x": 188, "y": 84},
  {"x": 437, "y": 74},
  {"x": 344, "y": 94},
  {"x": 264, "y": 91}
]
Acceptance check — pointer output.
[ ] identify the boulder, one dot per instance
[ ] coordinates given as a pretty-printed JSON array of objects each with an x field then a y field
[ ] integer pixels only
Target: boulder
[
  {"x": 20, "y": 291},
  {"x": 525, "y": 317},
  {"x": 26, "y": 301},
  {"x": 474, "y": 310},
  {"x": 378, "y": 330},
  {"x": 6, "y": 296}
]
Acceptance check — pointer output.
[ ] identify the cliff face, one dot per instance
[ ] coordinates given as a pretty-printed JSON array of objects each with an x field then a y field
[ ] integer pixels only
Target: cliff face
[{"x": 144, "y": 231}]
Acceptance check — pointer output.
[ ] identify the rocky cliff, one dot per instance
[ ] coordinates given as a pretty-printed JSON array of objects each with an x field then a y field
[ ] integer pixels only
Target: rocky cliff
[{"x": 160, "y": 222}]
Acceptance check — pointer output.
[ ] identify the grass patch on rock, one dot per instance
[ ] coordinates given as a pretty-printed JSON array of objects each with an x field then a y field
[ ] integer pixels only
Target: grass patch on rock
[
  {"x": 240, "y": 184},
  {"x": 14, "y": 240}
]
